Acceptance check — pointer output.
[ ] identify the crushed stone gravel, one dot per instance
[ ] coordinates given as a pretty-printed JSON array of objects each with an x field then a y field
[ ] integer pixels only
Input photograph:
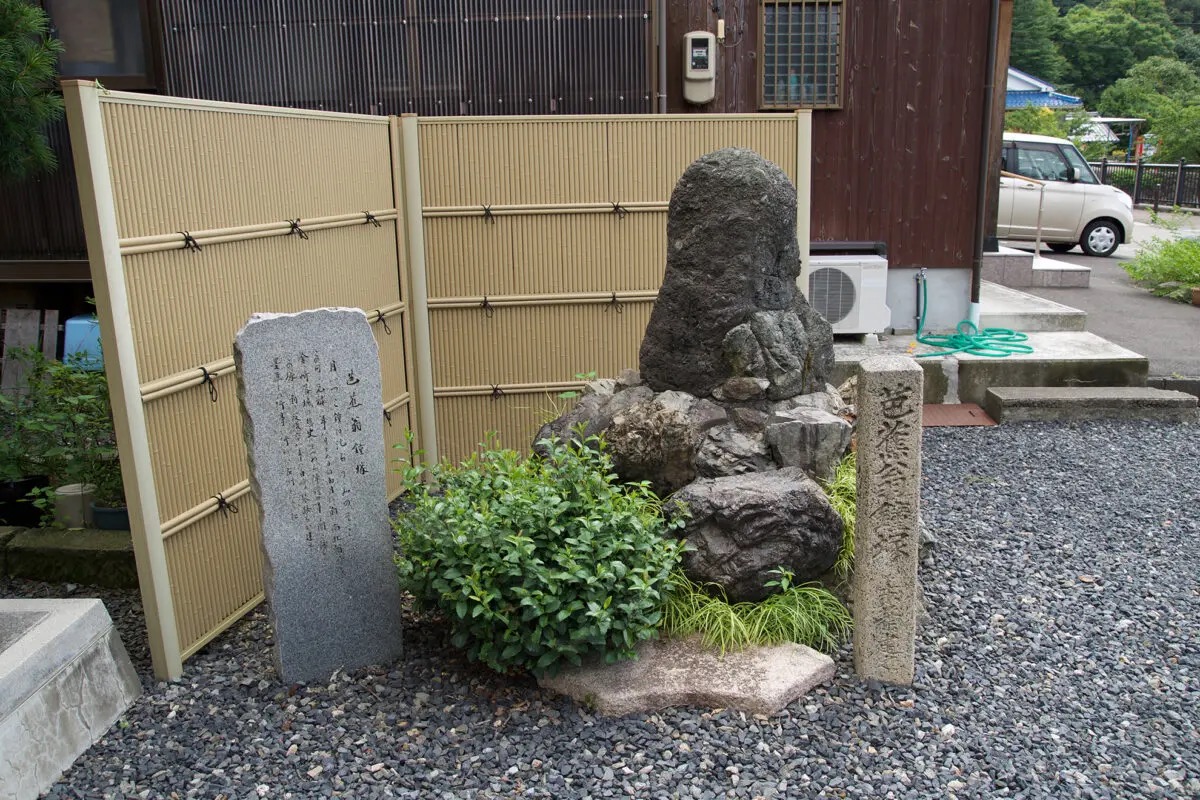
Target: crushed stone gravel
[{"x": 1058, "y": 656}]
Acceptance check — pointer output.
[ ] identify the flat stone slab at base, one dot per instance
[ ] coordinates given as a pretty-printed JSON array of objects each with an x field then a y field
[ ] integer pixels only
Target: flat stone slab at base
[
  {"x": 65, "y": 678},
  {"x": 683, "y": 672},
  {"x": 1036, "y": 403}
]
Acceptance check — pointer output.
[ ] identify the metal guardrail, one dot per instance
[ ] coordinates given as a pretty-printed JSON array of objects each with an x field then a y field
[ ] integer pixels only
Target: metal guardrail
[{"x": 1166, "y": 185}]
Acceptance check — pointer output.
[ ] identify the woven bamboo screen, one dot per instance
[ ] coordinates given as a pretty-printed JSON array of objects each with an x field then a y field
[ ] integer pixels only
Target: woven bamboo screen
[
  {"x": 222, "y": 211},
  {"x": 545, "y": 245}
]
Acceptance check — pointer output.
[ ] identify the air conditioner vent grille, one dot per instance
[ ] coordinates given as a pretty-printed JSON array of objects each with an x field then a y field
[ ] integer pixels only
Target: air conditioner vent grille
[{"x": 832, "y": 293}]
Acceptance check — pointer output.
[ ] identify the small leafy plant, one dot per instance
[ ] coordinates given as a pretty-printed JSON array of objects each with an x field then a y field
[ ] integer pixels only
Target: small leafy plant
[
  {"x": 537, "y": 562},
  {"x": 842, "y": 493},
  {"x": 808, "y": 615},
  {"x": 1167, "y": 267},
  {"x": 571, "y": 394}
]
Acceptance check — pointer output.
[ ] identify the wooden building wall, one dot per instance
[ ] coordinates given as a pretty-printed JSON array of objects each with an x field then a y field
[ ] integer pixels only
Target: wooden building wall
[{"x": 899, "y": 162}]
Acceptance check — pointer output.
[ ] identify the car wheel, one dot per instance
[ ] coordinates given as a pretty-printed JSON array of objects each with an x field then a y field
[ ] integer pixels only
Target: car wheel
[
  {"x": 1100, "y": 238},
  {"x": 1061, "y": 247}
]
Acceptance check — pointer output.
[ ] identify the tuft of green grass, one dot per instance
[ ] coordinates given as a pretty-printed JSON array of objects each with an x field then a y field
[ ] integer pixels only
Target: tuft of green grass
[
  {"x": 808, "y": 615},
  {"x": 1167, "y": 267},
  {"x": 842, "y": 493}
]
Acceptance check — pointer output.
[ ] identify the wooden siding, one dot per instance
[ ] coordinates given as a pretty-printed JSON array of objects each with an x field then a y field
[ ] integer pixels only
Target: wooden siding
[{"x": 899, "y": 162}]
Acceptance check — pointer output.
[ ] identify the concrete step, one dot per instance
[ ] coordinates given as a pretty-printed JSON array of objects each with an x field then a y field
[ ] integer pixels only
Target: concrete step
[
  {"x": 1059, "y": 274},
  {"x": 1009, "y": 267},
  {"x": 1005, "y": 307},
  {"x": 1059, "y": 358},
  {"x": 1028, "y": 403},
  {"x": 1022, "y": 268}
]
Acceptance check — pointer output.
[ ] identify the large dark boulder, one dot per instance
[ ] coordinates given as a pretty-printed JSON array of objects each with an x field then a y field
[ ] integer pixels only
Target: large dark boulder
[
  {"x": 732, "y": 260},
  {"x": 743, "y": 527}
]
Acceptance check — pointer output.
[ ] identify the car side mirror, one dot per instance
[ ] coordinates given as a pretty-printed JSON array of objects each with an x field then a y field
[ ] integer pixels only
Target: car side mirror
[{"x": 1072, "y": 175}]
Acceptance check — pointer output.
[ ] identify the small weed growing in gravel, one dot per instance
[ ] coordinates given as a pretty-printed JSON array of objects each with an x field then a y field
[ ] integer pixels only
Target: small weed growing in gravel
[
  {"x": 808, "y": 615},
  {"x": 1167, "y": 267},
  {"x": 842, "y": 492},
  {"x": 538, "y": 561}
]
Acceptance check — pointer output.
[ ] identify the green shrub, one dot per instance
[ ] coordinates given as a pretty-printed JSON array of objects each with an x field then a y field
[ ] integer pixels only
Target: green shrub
[
  {"x": 842, "y": 492},
  {"x": 1167, "y": 267},
  {"x": 538, "y": 561},
  {"x": 808, "y": 615}
]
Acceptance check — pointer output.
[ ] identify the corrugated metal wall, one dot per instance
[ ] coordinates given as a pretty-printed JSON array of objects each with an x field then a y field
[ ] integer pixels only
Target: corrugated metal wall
[
  {"x": 203, "y": 197},
  {"x": 39, "y": 216},
  {"x": 545, "y": 247},
  {"x": 429, "y": 57}
]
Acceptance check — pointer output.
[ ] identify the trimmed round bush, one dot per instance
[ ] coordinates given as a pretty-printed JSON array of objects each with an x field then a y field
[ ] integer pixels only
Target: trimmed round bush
[{"x": 538, "y": 562}]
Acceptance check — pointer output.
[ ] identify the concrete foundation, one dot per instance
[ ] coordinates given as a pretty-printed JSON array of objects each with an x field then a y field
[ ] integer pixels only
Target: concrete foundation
[
  {"x": 65, "y": 678},
  {"x": 1030, "y": 403}
]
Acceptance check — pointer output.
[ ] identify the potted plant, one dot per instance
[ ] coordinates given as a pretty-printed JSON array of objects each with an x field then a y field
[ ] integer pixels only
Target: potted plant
[
  {"x": 65, "y": 412},
  {"x": 109, "y": 511}
]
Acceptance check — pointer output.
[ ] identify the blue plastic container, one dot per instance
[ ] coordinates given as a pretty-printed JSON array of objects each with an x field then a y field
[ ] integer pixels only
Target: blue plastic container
[{"x": 81, "y": 342}]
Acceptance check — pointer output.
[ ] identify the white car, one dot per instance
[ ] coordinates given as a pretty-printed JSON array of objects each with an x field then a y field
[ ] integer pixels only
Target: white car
[{"x": 1075, "y": 207}]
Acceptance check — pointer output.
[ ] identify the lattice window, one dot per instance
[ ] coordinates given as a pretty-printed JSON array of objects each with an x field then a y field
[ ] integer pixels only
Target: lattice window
[{"x": 801, "y": 53}]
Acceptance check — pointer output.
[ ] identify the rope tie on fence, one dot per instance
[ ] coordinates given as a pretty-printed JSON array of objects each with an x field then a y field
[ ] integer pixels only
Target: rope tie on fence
[
  {"x": 620, "y": 210},
  {"x": 615, "y": 304},
  {"x": 207, "y": 380},
  {"x": 381, "y": 318},
  {"x": 488, "y": 216},
  {"x": 189, "y": 242},
  {"x": 296, "y": 229},
  {"x": 387, "y": 415},
  {"x": 497, "y": 392},
  {"x": 224, "y": 506},
  {"x": 370, "y": 219},
  {"x": 487, "y": 307}
]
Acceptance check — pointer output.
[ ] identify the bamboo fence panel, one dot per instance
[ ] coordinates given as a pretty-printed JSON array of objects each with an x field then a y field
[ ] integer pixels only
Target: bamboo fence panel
[
  {"x": 215, "y": 212},
  {"x": 529, "y": 223}
]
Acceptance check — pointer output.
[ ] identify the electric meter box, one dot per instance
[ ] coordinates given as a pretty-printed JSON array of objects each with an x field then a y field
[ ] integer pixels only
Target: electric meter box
[{"x": 699, "y": 67}]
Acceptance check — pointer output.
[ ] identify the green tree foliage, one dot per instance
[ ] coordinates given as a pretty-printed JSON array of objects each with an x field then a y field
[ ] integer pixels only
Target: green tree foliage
[
  {"x": 1178, "y": 129},
  {"x": 1044, "y": 122},
  {"x": 1166, "y": 93},
  {"x": 1102, "y": 44},
  {"x": 28, "y": 100},
  {"x": 1187, "y": 48},
  {"x": 1184, "y": 13},
  {"x": 1147, "y": 88},
  {"x": 1036, "y": 24}
]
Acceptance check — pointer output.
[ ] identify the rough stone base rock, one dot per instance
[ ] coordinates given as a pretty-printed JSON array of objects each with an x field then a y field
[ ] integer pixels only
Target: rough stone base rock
[
  {"x": 683, "y": 672},
  {"x": 742, "y": 528}
]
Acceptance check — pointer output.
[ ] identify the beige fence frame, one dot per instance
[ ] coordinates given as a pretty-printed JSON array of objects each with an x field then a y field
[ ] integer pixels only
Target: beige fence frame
[{"x": 418, "y": 210}]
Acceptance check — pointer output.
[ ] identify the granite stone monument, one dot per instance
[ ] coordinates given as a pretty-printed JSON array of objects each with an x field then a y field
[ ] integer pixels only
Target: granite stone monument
[{"x": 311, "y": 395}]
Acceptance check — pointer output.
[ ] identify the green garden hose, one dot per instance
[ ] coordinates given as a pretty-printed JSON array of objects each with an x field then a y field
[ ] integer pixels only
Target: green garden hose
[{"x": 968, "y": 338}]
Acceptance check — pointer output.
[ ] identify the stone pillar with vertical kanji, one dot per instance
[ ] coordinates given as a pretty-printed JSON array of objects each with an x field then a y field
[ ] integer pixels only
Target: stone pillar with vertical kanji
[{"x": 884, "y": 589}]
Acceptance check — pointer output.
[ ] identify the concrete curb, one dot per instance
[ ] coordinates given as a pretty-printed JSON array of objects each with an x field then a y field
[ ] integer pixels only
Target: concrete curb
[{"x": 89, "y": 557}]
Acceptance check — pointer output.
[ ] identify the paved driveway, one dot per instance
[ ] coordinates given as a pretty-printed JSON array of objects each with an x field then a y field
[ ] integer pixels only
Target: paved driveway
[{"x": 1166, "y": 331}]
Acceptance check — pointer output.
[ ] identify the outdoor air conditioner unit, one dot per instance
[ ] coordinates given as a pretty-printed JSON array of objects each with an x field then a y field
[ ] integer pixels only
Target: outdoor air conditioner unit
[{"x": 850, "y": 292}]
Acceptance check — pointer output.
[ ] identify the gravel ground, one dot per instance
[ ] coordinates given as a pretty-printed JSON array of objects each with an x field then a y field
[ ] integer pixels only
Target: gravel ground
[{"x": 1059, "y": 658}]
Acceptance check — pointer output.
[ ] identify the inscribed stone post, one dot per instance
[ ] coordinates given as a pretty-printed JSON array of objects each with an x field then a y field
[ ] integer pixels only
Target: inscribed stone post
[
  {"x": 311, "y": 395},
  {"x": 884, "y": 588}
]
